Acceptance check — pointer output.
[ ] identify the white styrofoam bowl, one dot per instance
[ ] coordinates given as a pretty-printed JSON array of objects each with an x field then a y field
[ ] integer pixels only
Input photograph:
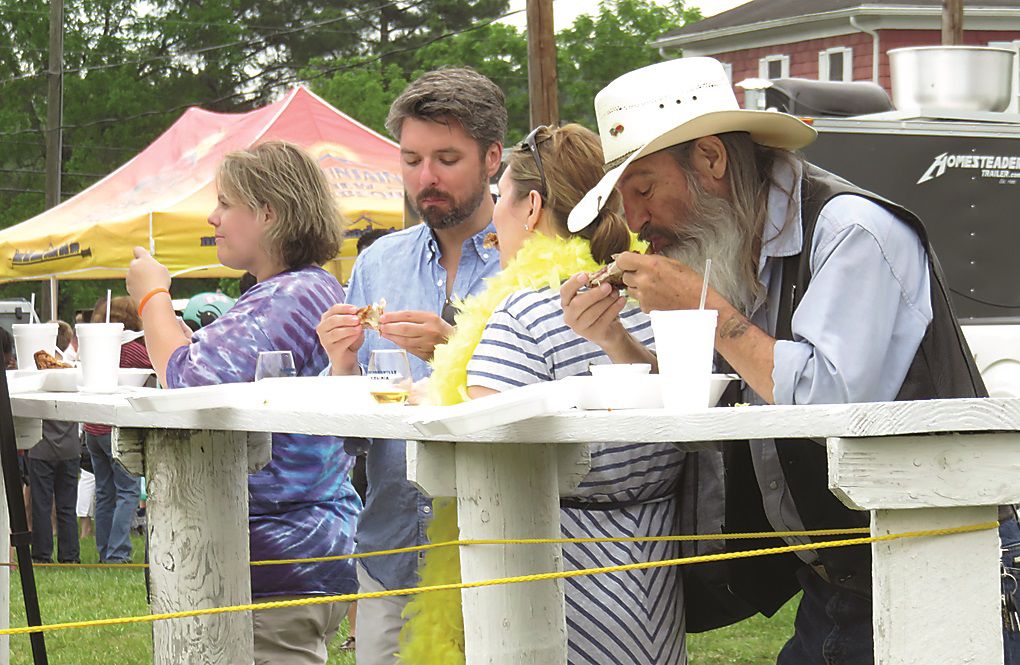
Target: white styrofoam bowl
[
  {"x": 129, "y": 376},
  {"x": 636, "y": 391}
]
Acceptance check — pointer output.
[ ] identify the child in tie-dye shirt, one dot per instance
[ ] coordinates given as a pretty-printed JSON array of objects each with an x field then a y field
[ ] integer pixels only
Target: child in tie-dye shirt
[{"x": 277, "y": 219}]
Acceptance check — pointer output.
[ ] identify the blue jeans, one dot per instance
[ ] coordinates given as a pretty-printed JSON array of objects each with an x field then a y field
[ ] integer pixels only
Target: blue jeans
[
  {"x": 117, "y": 494},
  {"x": 1009, "y": 536},
  {"x": 833, "y": 625}
]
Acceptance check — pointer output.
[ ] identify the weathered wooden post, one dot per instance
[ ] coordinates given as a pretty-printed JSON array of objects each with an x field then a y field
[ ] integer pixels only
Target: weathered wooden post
[
  {"x": 914, "y": 483},
  {"x": 506, "y": 491},
  {"x": 198, "y": 542}
]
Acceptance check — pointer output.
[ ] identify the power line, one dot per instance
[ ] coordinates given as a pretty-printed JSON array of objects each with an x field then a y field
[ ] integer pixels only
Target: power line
[
  {"x": 85, "y": 146},
  {"x": 22, "y": 191},
  {"x": 284, "y": 81},
  {"x": 70, "y": 173},
  {"x": 225, "y": 24},
  {"x": 216, "y": 47}
]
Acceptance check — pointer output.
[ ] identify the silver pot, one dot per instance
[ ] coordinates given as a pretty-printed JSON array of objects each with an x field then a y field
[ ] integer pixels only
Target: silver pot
[{"x": 958, "y": 78}]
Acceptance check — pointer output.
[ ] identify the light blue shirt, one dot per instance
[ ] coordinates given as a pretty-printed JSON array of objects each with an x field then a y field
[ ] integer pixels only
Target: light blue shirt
[
  {"x": 404, "y": 269},
  {"x": 858, "y": 325}
]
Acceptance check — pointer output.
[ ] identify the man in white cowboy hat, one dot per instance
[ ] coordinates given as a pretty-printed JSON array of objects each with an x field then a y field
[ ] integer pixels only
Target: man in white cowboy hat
[{"x": 825, "y": 293}]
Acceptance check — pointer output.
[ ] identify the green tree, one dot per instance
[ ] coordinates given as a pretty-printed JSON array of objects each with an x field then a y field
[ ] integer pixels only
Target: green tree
[
  {"x": 131, "y": 69},
  {"x": 598, "y": 48},
  {"x": 591, "y": 53}
]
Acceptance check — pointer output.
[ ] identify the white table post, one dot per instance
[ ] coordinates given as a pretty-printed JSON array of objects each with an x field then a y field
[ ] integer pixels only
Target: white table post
[
  {"x": 198, "y": 544},
  {"x": 506, "y": 491},
  {"x": 934, "y": 597}
]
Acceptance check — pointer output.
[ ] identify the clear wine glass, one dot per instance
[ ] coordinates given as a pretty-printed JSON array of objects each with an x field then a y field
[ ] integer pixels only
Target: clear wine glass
[
  {"x": 390, "y": 372},
  {"x": 272, "y": 364}
]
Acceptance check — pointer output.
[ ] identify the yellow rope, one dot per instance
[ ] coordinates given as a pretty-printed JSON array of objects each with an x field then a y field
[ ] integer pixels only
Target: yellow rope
[
  {"x": 519, "y": 541},
  {"x": 506, "y": 580}
]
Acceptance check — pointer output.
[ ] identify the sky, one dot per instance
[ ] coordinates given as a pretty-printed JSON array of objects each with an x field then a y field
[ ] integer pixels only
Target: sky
[{"x": 564, "y": 11}]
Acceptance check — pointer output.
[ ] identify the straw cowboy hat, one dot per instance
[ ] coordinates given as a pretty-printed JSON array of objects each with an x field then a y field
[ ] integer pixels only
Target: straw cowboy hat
[{"x": 669, "y": 103}]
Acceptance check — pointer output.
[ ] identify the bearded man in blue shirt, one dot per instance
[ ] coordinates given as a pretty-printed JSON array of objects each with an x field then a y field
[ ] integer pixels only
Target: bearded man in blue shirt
[
  {"x": 825, "y": 293},
  {"x": 450, "y": 124}
]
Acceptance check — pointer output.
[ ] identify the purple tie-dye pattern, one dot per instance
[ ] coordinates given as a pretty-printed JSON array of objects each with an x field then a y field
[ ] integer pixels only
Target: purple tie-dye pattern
[{"x": 302, "y": 504}]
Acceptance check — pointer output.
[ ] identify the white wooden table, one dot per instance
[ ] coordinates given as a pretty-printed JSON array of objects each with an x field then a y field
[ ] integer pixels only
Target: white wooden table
[{"x": 882, "y": 458}]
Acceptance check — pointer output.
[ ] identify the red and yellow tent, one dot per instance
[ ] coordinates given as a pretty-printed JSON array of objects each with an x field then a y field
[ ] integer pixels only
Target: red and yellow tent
[{"x": 162, "y": 197}]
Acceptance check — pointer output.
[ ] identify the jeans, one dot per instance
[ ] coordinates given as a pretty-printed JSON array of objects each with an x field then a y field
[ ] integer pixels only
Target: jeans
[
  {"x": 833, "y": 625},
  {"x": 117, "y": 494},
  {"x": 54, "y": 480},
  {"x": 1009, "y": 536}
]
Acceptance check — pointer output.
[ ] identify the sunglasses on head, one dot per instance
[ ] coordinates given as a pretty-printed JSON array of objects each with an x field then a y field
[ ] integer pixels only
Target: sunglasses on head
[{"x": 530, "y": 143}]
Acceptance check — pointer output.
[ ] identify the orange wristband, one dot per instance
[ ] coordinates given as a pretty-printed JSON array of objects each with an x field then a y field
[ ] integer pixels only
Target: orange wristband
[{"x": 145, "y": 299}]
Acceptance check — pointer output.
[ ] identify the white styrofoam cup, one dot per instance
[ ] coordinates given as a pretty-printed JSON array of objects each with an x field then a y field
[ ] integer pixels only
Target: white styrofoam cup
[
  {"x": 684, "y": 341},
  {"x": 99, "y": 352}
]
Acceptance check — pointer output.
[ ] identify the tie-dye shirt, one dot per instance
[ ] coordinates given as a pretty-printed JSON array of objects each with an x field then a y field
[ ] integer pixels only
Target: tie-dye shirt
[{"x": 302, "y": 503}]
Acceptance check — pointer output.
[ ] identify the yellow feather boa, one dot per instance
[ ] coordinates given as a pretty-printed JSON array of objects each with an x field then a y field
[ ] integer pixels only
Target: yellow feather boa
[{"x": 434, "y": 632}]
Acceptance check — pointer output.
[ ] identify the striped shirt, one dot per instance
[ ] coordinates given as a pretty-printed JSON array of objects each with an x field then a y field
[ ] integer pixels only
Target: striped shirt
[
  {"x": 133, "y": 354},
  {"x": 630, "y": 618}
]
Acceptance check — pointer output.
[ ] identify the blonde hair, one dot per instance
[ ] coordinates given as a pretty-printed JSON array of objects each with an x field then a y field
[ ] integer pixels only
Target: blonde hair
[
  {"x": 308, "y": 227},
  {"x": 572, "y": 161}
]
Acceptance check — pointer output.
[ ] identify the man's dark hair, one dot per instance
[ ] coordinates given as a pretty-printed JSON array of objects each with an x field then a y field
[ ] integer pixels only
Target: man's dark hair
[
  {"x": 246, "y": 281},
  {"x": 459, "y": 94},
  {"x": 370, "y": 236}
]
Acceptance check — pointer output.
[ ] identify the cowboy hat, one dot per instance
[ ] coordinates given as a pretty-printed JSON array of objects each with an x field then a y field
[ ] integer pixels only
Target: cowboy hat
[{"x": 669, "y": 103}]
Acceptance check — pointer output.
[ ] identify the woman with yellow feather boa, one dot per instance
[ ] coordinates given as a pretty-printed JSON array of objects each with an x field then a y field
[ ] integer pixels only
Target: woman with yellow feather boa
[{"x": 513, "y": 334}]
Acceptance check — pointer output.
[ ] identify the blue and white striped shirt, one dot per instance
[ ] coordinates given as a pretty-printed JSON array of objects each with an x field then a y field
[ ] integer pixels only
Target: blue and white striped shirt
[{"x": 631, "y": 618}]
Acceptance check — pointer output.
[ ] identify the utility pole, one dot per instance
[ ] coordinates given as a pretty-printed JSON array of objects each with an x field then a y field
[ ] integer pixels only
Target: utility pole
[
  {"x": 952, "y": 22},
  {"x": 542, "y": 80},
  {"x": 55, "y": 104}
]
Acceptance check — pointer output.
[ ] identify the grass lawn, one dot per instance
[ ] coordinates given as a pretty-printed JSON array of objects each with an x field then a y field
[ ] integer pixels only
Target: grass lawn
[{"x": 81, "y": 594}]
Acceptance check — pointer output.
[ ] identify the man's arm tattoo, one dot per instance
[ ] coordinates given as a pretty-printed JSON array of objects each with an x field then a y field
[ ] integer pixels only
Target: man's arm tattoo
[{"x": 734, "y": 327}]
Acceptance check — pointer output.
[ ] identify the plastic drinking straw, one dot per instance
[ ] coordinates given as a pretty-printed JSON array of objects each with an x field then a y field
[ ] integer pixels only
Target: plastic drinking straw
[
  {"x": 32, "y": 315},
  {"x": 704, "y": 284},
  {"x": 108, "y": 305}
]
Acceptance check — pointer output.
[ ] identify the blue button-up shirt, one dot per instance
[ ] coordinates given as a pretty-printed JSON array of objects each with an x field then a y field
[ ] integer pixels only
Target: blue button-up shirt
[
  {"x": 857, "y": 327},
  {"x": 404, "y": 269}
]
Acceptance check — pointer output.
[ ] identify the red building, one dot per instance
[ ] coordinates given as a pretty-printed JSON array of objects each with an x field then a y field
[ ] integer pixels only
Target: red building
[{"x": 835, "y": 40}]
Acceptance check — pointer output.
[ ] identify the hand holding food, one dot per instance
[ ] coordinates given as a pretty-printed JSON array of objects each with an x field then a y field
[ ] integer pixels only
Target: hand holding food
[
  {"x": 416, "y": 332},
  {"x": 341, "y": 333},
  {"x": 609, "y": 274},
  {"x": 369, "y": 314}
]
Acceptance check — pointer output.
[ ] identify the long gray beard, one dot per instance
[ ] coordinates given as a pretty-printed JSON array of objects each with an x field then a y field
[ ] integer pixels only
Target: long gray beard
[{"x": 712, "y": 232}]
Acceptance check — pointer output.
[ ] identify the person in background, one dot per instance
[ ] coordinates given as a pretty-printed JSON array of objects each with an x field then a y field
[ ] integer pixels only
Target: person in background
[
  {"x": 117, "y": 490},
  {"x": 85, "y": 506},
  {"x": 450, "y": 124},
  {"x": 276, "y": 217},
  {"x": 7, "y": 348},
  {"x": 53, "y": 465},
  {"x": 245, "y": 282},
  {"x": 366, "y": 239}
]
